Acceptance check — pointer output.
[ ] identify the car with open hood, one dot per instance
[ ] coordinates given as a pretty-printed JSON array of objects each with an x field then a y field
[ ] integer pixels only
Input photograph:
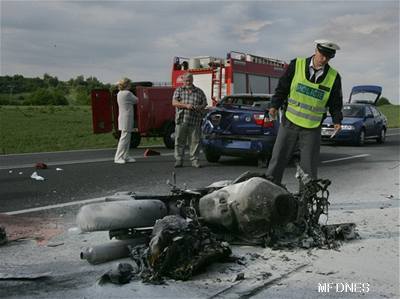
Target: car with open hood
[
  {"x": 361, "y": 119},
  {"x": 239, "y": 125}
]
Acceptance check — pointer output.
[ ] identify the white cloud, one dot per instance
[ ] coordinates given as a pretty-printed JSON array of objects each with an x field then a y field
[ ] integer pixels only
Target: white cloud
[
  {"x": 108, "y": 39},
  {"x": 250, "y": 31}
]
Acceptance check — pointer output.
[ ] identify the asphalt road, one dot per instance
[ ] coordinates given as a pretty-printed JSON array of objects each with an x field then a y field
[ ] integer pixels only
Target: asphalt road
[
  {"x": 81, "y": 175},
  {"x": 364, "y": 190}
]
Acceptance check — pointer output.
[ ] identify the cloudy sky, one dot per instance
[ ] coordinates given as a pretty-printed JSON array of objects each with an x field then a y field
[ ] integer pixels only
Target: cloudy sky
[{"x": 111, "y": 39}]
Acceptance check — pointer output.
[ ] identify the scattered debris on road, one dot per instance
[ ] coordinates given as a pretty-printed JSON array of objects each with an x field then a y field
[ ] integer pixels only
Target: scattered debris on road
[
  {"x": 120, "y": 273},
  {"x": 36, "y": 177},
  {"x": 41, "y": 165},
  {"x": 3, "y": 236},
  {"x": 199, "y": 225},
  {"x": 55, "y": 244},
  {"x": 178, "y": 249},
  {"x": 149, "y": 152}
]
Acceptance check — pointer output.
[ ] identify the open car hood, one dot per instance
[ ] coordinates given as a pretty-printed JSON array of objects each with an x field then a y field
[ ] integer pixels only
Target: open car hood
[{"x": 365, "y": 94}]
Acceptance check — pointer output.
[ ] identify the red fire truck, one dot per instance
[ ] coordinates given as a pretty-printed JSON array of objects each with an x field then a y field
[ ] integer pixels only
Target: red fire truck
[{"x": 217, "y": 77}]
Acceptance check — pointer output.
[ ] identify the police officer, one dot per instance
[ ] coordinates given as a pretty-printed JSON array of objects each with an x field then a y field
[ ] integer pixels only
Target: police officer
[{"x": 309, "y": 88}]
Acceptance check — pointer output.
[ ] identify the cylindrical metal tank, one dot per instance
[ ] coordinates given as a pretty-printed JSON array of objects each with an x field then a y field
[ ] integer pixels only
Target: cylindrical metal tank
[
  {"x": 120, "y": 214},
  {"x": 109, "y": 251}
]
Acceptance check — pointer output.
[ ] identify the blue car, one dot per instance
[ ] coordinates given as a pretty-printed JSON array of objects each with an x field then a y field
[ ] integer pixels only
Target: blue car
[
  {"x": 240, "y": 126},
  {"x": 361, "y": 119}
]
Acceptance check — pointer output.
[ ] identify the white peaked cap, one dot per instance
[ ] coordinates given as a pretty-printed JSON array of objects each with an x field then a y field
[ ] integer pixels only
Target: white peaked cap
[{"x": 327, "y": 44}]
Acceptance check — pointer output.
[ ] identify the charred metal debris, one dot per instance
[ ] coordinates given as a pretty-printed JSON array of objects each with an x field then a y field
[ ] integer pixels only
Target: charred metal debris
[
  {"x": 198, "y": 225},
  {"x": 3, "y": 236}
]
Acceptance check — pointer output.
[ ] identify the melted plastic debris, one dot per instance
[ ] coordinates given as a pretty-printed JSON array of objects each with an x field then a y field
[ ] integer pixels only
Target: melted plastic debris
[
  {"x": 121, "y": 273},
  {"x": 178, "y": 249},
  {"x": 3, "y": 236},
  {"x": 41, "y": 165},
  {"x": 36, "y": 177},
  {"x": 322, "y": 236}
]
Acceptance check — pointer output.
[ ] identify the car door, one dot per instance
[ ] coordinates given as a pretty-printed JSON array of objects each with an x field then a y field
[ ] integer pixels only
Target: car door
[
  {"x": 369, "y": 122},
  {"x": 378, "y": 120}
]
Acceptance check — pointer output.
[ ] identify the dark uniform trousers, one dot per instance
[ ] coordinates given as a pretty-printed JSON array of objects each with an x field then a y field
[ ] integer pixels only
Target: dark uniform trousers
[{"x": 289, "y": 135}]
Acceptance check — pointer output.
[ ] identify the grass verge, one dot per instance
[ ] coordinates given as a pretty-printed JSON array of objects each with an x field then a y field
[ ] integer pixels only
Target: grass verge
[
  {"x": 392, "y": 113},
  {"x": 28, "y": 129}
]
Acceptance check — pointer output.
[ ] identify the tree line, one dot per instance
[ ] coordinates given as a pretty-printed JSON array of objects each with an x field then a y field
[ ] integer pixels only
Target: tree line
[{"x": 49, "y": 90}]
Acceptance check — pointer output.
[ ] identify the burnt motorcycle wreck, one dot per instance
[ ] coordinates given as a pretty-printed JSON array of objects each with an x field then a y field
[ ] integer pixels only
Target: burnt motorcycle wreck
[{"x": 178, "y": 234}]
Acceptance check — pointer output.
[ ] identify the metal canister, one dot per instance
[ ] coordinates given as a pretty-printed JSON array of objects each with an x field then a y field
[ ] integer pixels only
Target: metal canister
[{"x": 109, "y": 251}]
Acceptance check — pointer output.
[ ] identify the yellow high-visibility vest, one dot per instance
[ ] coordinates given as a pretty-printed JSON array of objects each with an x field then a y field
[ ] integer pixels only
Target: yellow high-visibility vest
[{"x": 307, "y": 100}]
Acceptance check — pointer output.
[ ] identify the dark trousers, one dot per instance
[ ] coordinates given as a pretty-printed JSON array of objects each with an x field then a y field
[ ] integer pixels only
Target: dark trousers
[{"x": 291, "y": 136}]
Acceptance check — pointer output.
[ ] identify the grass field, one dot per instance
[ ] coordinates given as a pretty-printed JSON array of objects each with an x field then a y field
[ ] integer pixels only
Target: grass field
[
  {"x": 392, "y": 113},
  {"x": 28, "y": 129}
]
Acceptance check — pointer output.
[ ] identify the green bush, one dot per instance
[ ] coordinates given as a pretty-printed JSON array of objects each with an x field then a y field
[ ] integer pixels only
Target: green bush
[
  {"x": 47, "y": 96},
  {"x": 5, "y": 102},
  {"x": 382, "y": 101},
  {"x": 82, "y": 97}
]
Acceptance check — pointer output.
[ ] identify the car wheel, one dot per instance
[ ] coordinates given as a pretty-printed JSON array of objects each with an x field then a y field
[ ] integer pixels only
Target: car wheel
[
  {"x": 360, "y": 138},
  {"x": 211, "y": 156},
  {"x": 169, "y": 136},
  {"x": 135, "y": 140},
  {"x": 382, "y": 136}
]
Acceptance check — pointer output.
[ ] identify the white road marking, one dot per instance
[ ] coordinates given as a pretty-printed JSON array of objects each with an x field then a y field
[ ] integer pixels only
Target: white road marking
[
  {"x": 110, "y": 159},
  {"x": 346, "y": 158},
  {"x": 74, "y": 162},
  {"x": 85, "y": 201},
  {"x": 61, "y": 205},
  {"x": 82, "y": 150},
  {"x": 392, "y": 134}
]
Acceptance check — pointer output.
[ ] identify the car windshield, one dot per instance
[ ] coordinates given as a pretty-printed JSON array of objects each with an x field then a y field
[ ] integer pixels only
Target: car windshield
[
  {"x": 259, "y": 102},
  {"x": 353, "y": 111}
]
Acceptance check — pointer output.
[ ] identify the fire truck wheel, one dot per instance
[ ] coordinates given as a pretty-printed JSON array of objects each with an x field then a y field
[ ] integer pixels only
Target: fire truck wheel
[
  {"x": 211, "y": 156},
  {"x": 135, "y": 140},
  {"x": 169, "y": 136}
]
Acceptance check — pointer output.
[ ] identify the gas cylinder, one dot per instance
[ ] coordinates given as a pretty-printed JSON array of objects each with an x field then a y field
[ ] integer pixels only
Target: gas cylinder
[
  {"x": 109, "y": 251},
  {"x": 120, "y": 214}
]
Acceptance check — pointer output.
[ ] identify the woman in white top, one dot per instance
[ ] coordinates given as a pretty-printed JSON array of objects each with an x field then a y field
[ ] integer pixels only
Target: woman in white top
[{"x": 125, "y": 100}]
